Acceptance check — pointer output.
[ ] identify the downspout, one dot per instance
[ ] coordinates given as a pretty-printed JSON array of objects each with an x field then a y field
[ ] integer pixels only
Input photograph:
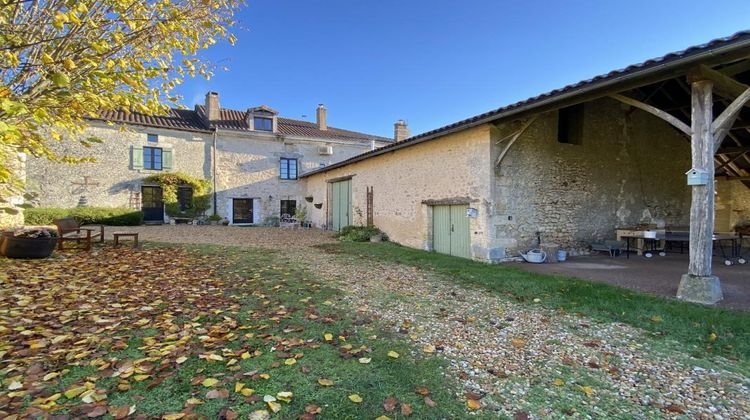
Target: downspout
[{"x": 213, "y": 167}]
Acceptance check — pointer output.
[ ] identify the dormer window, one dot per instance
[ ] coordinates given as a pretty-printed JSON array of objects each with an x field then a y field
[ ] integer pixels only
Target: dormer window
[
  {"x": 263, "y": 123},
  {"x": 262, "y": 118}
]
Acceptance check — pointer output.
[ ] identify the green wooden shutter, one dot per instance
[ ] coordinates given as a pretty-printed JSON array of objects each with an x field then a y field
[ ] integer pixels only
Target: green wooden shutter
[
  {"x": 166, "y": 159},
  {"x": 136, "y": 157}
]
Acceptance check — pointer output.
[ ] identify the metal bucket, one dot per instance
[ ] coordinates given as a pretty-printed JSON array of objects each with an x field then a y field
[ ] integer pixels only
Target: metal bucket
[{"x": 562, "y": 255}]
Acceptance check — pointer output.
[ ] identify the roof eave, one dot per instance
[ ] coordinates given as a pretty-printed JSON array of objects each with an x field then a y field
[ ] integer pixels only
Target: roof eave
[
  {"x": 161, "y": 127},
  {"x": 595, "y": 89}
]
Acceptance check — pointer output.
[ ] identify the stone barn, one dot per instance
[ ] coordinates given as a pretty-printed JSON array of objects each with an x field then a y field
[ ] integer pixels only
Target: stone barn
[{"x": 569, "y": 166}]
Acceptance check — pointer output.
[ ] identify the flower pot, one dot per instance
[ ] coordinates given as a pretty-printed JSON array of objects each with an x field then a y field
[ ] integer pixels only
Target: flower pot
[
  {"x": 376, "y": 238},
  {"x": 13, "y": 247}
]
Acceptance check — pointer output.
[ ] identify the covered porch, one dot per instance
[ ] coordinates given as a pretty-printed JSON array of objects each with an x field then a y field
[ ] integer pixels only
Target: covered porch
[{"x": 703, "y": 93}]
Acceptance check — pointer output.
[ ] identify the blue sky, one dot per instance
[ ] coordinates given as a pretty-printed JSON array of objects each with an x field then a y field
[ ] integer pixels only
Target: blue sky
[{"x": 436, "y": 62}]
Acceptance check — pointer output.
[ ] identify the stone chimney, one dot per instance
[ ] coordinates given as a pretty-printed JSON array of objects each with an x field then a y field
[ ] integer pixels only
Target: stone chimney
[
  {"x": 212, "y": 106},
  {"x": 401, "y": 131},
  {"x": 322, "y": 117}
]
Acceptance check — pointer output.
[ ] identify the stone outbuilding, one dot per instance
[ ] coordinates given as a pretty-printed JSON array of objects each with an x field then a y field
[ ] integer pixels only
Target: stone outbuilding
[{"x": 568, "y": 167}]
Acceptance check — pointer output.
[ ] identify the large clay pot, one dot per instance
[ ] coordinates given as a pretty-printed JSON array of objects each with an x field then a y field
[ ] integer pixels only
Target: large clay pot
[{"x": 13, "y": 247}]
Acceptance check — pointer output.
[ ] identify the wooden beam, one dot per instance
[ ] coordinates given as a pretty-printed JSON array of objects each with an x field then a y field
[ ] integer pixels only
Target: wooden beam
[
  {"x": 729, "y": 161},
  {"x": 671, "y": 119},
  {"x": 702, "y": 206},
  {"x": 723, "y": 123},
  {"x": 736, "y": 68},
  {"x": 723, "y": 85},
  {"x": 513, "y": 137},
  {"x": 737, "y": 178},
  {"x": 733, "y": 150}
]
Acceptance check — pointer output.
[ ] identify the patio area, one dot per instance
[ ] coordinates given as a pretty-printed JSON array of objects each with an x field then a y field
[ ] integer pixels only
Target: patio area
[{"x": 657, "y": 275}]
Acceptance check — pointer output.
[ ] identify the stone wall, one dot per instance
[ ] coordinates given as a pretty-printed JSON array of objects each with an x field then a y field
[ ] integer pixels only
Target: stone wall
[
  {"x": 732, "y": 204},
  {"x": 112, "y": 171},
  {"x": 455, "y": 166},
  {"x": 249, "y": 168},
  {"x": 628, "y": 169}
]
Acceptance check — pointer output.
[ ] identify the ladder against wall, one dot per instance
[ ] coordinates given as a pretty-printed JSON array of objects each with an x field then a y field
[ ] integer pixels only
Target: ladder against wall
[{"x": 134, "y": 201}]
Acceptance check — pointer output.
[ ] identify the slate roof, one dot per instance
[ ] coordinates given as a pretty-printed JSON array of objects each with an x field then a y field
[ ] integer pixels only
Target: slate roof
[
  {"x": 230, "y": 119},
  {"x": 663, "y": 63}
]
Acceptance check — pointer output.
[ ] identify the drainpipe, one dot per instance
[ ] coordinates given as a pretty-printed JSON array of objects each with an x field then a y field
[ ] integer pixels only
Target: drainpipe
[{"x": 213, "y": 167}]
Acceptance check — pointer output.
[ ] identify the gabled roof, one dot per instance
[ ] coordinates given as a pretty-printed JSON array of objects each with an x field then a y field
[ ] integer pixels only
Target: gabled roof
[
  {"x": 263, "y": 108},
  {"x": 230, "y": 119},
  {"x": 669, "y": 65}
]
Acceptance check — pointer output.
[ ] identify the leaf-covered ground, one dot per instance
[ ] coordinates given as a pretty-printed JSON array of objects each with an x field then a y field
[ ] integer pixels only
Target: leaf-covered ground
[
  {"x": 181, "y": 332},
  {"x": 348, "y": 331}
]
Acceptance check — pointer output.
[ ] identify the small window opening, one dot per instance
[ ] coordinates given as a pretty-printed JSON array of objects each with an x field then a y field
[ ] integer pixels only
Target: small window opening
[{"x": 570, "y": 124}]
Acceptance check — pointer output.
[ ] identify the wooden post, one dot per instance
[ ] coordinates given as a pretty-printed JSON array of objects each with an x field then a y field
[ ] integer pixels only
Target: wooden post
[
  {"x": 698, "y": 285},
  {"x": 702, "y": 206}
]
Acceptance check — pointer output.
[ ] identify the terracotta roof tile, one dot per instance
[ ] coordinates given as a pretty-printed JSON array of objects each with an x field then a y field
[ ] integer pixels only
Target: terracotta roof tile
[{"x": 179, "y": 119}]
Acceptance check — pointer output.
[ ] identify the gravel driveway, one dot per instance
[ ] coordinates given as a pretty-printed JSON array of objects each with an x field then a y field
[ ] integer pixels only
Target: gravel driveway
[{"x": 261, "y": 237}]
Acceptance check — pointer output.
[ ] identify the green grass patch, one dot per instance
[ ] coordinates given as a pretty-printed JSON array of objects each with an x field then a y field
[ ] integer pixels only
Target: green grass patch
[{"x": 689, "y": 324}]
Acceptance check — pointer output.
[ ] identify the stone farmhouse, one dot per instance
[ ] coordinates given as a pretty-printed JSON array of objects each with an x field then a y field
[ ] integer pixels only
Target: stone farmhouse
[
  {"x": 569, "y": 166},
  {"x": 254, "y": 159}
]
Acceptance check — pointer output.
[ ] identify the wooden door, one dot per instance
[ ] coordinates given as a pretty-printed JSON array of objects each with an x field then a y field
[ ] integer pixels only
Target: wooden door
[
  {"x": 341, "y": 204},
  {"x": 460, "y": 239},
  {"x": 450, "y": 230},
  {"x": 152, "y": 204},
  {"x": 441, "y": 229}
]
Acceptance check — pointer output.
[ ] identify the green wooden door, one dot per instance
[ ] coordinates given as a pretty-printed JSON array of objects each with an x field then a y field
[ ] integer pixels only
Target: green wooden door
[
  {"x": 460, "y": 242},
  {"x": 341, "y": 204},
  {"x": 450, "y": 230},
  {"x": 441, "y": 229}
]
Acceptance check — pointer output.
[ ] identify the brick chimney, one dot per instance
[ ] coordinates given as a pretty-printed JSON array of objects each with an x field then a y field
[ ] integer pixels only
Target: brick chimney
[
  {"x": 322, "y": 117},
  {"x": 401, "y": 131},
  {"x": 212, "y": 106}
]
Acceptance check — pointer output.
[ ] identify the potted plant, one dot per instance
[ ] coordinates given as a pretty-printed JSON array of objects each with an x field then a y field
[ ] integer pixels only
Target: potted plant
[
  {"x": 28, "y": 243},
  {"x": 300, "y": 213},
  {"x": 214, "y": 219}
]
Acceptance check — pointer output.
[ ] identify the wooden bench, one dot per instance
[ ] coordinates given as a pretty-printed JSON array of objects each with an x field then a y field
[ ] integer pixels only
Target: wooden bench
[
  {"x": 68, "y": 229},
  {"x": 118, "y": 235}
]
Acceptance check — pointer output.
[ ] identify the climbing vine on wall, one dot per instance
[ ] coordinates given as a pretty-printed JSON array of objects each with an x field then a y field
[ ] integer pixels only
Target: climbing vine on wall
[{"x": 170, "y": 182}]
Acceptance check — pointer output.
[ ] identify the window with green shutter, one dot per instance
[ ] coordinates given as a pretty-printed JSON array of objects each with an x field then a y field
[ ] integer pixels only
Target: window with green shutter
[
  {"x": 136, "y": 157},
  {"x": 166, "y": 159}
]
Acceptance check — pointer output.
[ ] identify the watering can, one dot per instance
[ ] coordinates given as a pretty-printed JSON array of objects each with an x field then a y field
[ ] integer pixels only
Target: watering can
[{"x": 534, "y": 256}]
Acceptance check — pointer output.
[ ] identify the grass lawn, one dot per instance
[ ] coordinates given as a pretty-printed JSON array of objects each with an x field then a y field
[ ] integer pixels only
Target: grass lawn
[
  {"x": 703, "y": 331},
  {"x": 200, "y": 330}
]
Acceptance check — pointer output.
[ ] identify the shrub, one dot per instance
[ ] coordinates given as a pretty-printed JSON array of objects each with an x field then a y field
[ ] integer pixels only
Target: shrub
[
  {"x": 358, "y": 233},
  {"x": 85, "y": 215},
  {"x": 170, "y": 182}
]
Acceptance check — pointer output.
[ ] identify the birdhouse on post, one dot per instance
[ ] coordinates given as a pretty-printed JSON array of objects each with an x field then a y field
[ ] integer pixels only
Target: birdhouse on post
[{"x": 697, "y": 176}]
